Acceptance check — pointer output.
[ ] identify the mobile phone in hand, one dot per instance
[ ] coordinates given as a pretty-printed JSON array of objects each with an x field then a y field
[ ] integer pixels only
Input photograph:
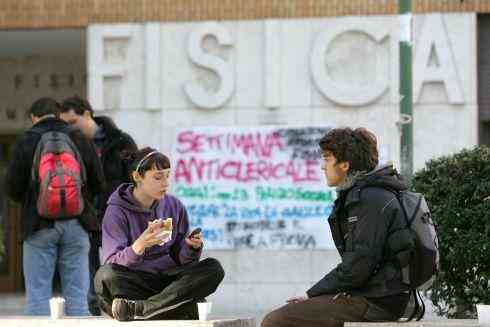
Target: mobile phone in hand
[{"x": 195, "y": 232}]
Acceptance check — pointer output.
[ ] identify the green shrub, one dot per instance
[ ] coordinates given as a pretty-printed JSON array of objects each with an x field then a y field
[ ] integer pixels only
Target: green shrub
[{"x": 457, "y": 189}]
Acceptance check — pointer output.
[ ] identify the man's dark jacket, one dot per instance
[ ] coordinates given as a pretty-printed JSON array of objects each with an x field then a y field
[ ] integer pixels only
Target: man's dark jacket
[
  {"x": 115, "y": 146},
  {"x": 368, "y": 228},
  {"x": 20, "y": 187}
]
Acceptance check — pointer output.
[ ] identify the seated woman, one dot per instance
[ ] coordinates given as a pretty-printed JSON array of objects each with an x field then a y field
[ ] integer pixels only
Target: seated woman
[{"x": 144, "y": 275}]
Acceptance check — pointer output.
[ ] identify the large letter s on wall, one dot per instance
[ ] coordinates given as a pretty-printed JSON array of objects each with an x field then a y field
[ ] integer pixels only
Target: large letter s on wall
[{"x": 198, "y": 56}]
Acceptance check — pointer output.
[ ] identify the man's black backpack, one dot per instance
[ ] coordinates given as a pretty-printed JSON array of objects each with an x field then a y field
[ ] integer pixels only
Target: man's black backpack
[{"x": 421, "y": 265}]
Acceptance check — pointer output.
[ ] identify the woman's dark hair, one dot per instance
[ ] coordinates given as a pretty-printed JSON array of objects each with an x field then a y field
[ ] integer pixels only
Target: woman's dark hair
[
  {"x": 77, "y": 104},
  {"x": 358, "y": 147},
  {"x": 146, "y": 159}
]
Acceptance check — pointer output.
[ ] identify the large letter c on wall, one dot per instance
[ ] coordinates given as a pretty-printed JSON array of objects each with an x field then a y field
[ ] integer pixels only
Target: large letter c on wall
[{"x": 342, "y": 94}]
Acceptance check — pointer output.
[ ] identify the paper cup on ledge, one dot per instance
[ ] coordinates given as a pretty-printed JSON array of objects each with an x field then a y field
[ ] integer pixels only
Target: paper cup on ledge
[
  {"x": 204, "y": 310},
  {"x": 57, "y": 307},
  {"x": 483, "y": 314}
]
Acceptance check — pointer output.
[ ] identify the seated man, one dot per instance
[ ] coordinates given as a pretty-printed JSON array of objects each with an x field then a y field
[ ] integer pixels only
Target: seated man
[
  {"x": 367, "y": 284},
  {"x": 149, "y": 272}
]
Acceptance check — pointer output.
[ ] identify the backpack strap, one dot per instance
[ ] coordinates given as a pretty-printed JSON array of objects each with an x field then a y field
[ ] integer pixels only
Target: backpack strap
[
  {"x": 397, "y": 194},
  {"x": 399, "y": 258},
  {"x": 419, "y": 308},
  {"x": 37, "y": 130},
  {"x": 422, "y": 313},
  {"x": 67, "y": 130},
  {"x": 413, "y": 293},
  {"x": 83, "y": 173},
  {"x": 37, "y": 153}
]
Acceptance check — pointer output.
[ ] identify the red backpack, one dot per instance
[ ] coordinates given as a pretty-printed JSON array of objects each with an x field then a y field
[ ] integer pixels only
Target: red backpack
[{"x": 59, "y": 174}]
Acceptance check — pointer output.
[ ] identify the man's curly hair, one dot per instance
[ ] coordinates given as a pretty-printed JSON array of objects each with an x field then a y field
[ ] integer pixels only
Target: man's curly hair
[{"x": 358, "y": 147}]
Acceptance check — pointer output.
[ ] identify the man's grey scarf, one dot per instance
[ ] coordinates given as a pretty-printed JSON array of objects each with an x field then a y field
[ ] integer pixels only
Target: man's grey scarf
[{"x": 350, "y": 180}]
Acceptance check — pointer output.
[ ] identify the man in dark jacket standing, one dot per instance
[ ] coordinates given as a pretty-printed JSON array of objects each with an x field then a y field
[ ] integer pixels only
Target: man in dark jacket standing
[
  {"x": 367, "y": 284},
  {"x": 111, "y": 144},
  {"x": 61, "y": 241}
]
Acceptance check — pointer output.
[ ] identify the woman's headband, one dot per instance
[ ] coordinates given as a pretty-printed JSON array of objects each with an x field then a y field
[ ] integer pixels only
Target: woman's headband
[{"x": 144, "y": 159}]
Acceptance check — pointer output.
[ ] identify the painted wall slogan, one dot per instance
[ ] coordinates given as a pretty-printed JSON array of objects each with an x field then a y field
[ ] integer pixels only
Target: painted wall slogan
[{"x": 254, "y": 187}]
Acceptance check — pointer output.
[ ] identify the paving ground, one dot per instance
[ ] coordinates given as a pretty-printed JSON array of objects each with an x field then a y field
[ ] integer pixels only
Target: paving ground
[{"x": 12, "y": 305}]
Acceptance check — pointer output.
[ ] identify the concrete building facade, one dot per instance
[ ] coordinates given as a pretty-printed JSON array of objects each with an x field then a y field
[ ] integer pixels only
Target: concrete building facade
[{"x": 159, "y": 66}]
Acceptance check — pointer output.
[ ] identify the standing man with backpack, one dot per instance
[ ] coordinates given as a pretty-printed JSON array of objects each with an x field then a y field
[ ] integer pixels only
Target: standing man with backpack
[
  {"x": 370, "y": 230},
  {"x": 112, "y": 145},
  {"x": 54, "y": 173}
]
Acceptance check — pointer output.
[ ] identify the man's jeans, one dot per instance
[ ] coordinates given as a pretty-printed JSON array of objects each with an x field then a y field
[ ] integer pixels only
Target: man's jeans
[
  {"x": 94, "y": 265},
  {"x": 66, "y": 245}
]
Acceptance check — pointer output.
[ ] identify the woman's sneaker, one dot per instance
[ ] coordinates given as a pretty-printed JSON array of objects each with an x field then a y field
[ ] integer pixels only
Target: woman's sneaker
[
  {"x": 186, "y": 311},
  {"x": 123, "y": 309}
]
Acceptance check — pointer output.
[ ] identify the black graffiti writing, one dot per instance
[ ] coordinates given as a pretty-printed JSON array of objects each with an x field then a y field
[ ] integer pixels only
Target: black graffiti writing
[
  {"x": 297, "y": 240},
  {"x": 245, "y": 241},
  {"x": 278, "y": 240},
  {"x": 303, "y": 141},
  {"x": 260, "y": 225}
]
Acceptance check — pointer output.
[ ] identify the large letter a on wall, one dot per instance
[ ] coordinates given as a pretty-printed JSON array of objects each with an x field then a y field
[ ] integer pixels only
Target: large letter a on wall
[{"x": 434, "y": 40}]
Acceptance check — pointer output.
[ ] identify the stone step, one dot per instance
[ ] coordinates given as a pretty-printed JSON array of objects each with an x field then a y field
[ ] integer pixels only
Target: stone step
[
  {"x": 106, "y": 322},
  {"x": 438, "y": 323}
]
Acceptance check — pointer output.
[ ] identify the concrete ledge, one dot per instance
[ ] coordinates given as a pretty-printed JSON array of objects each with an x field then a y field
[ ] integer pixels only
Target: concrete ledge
[
  {"x": 438, "y": 323},
  {"x": 105, "y": 322}
]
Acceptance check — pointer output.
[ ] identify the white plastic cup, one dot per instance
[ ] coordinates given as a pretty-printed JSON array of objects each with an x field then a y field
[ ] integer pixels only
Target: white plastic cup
[
  {"x": 57, "y": 307},
  {"x": 483, "y": 314},
  {"x": 204, "y": 310}
]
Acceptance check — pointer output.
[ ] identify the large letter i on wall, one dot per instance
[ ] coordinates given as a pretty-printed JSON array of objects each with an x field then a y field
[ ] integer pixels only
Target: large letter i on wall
[{"x": 199, "y": 96}]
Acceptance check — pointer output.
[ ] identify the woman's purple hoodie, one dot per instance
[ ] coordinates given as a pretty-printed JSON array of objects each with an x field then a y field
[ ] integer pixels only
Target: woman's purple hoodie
[{"x": 124, "y": 221}]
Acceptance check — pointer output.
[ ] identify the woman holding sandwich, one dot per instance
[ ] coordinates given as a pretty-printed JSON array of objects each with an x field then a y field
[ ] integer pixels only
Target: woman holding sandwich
[{"x": 151, "y": 260}]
